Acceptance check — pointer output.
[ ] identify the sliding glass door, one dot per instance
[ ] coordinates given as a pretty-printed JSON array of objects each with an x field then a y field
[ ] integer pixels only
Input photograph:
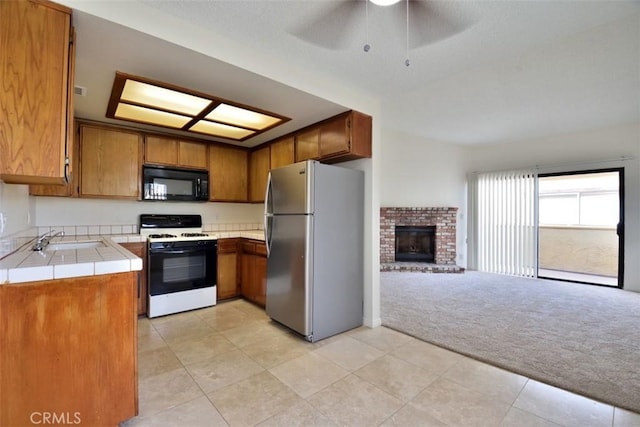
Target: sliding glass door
[{"x": 581, "y": 226}]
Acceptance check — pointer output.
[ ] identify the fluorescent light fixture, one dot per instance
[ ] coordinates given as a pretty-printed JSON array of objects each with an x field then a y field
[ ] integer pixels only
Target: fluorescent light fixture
[
  {"x": 384, "y": 2},
  {"x": 142, "y": 100},
  {"x": 250, "y": 119},
  {"x": 218, "y": 129},
  {"x": 151, "y": 116},
  {"x": 165, "y": 99}
]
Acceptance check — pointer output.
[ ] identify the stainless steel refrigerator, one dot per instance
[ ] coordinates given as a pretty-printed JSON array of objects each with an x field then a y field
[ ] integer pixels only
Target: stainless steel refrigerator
[{"x": 314, "y": 237}]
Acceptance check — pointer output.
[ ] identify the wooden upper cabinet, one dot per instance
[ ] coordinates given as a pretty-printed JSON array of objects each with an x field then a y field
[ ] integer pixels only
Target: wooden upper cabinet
[
  {"x": 227, "y": 174},
  {"x": 307, "y": 144},
  {"x": 258, "y": 172},
  {"x": 110, "y": 162},
  {"x": 282, "y": 152},
  {"x": 174, "y": 152},
  {"x": 158, "y": 150},
  {"x": 36, "y": 64},
  {"x": 192, "y": 154},
  {"x": 346, "y": 136},
  {"x": 70, "y": 189}
]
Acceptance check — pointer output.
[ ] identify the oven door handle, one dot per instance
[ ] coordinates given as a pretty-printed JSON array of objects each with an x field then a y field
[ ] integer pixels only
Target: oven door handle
[{"x": 175, "y": 252}]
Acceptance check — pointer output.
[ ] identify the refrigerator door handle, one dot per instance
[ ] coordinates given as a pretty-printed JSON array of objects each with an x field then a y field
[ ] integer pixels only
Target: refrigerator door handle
[{"x": 268, "y": 211}]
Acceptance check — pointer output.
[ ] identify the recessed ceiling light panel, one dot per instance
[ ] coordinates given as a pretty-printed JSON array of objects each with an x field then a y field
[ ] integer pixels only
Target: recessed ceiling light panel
[
  {"x": 151, "y": 116},
  {"x": 163, "y": 99},
  {"x": 225, "y": 113},
  {"x": 221, "y": 130},
  {"x": 142, "y": 100}
]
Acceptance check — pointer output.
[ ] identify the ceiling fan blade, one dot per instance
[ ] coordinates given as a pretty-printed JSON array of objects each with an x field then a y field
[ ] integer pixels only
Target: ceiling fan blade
[
  {"x": 333, "y": 28},
  {"x": 432, "y": 21}
]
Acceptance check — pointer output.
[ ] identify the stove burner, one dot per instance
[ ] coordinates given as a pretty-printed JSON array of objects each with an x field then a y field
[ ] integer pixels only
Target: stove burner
[
  {"x": 159, "y": 236},
  {"x": 194, "y": 235}
]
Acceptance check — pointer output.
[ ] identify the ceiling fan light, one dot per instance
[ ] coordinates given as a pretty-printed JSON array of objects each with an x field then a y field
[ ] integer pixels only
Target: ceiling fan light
[{"x": 384, "y": 2}]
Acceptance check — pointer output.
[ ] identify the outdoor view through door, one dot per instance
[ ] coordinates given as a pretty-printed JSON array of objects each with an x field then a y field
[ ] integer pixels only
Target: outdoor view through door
[{"x": 580, "y": 226}]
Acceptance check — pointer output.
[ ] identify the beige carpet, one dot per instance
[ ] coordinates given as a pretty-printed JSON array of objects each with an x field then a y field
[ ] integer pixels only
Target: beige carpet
[{"x": 582, "y": 338}]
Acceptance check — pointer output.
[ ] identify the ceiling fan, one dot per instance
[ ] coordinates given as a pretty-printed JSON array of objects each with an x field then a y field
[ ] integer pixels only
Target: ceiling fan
[{"x": 422, "y": 21}]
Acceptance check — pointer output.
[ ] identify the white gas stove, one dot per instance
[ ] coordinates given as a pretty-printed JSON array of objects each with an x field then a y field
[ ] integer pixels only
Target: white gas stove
[
  {"x": 172, "y": 228},
  {"x": 174, "y": 235},
  {"x": 181, "y": 263}
]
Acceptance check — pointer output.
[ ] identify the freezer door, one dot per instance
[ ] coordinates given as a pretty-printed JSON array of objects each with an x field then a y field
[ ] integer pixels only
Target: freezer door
[
  {"x": 290, "y": 189},
  {"x": 289, "y": 272}
]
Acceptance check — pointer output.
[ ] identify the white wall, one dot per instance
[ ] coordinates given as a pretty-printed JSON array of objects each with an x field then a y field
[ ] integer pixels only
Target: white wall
[
  {"x": 595, "y": 149},
  {"x": 15, "y": 209},
  {"x": 416, "y": 172},
  {"x": 61, "y": 211}
]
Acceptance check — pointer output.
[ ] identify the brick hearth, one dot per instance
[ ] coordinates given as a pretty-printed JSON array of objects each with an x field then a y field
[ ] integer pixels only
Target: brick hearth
[{"x": 444, "y": 219}]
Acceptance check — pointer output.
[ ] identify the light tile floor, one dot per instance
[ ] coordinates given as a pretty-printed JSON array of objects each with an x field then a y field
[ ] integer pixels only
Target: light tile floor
[{"x": 231, "y": 365}]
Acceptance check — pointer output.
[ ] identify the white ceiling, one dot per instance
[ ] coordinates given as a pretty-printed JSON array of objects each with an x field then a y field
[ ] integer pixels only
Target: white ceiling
[{"x": 517, "y": 70}]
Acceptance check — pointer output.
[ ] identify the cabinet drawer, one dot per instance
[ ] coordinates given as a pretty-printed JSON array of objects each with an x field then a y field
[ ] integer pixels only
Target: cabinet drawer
[
  {"x": 227, "y": 245},
  {"x": 248, "y": 247},
  {"x": 261, "y": 249}
]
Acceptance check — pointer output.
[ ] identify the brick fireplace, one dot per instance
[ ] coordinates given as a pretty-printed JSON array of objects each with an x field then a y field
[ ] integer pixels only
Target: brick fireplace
[{"x": 444, "y": 245}]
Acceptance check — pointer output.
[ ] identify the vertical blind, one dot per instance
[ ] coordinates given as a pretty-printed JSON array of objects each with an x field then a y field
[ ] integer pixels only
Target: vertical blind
[{"x": 505, "y": 222}]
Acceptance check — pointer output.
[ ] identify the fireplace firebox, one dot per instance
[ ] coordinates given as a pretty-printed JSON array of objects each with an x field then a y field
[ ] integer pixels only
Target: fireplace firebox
[{"x": 415, "y": 243}]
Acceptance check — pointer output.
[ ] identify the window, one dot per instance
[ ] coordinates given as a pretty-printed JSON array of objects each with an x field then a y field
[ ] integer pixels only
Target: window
[{"x": 579, "y": 200}]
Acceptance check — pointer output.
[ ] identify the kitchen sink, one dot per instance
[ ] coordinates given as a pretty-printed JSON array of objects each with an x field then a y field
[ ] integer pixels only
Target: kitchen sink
[{"x": 85, "y": 244}]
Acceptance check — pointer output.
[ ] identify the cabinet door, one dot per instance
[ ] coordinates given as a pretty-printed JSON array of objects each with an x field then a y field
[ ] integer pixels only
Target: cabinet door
[
  {"x": 260, "y": 276},
  {"x": 247, "y": 287},
  {"x": 227, "y": 283},
  {"x": 192, "y": 154},
  {"x": 160, "y": 151},
  {"x": 227, "y": 174},
  {"x": 282, "y": 153},
  {"x": 110, "y": 161},
  {"x": 35, "y": 95},
  {"x": 140, "y": 249},
  {"x": 258, "y": 172},
  {"x": 254, "y": 272},
  {"x": 307, "y": 144},
  {"x": 70, "y": 189},
  {"x": 334, "y": 137},
  {"x": 346, "y": 137}
]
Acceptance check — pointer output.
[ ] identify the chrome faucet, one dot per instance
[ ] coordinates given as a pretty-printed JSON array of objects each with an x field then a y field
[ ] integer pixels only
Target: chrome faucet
[{"x": 43, "y": 240}]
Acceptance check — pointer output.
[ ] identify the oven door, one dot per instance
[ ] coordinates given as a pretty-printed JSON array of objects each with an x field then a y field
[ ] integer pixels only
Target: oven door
[{"x": 181, "y": 268}]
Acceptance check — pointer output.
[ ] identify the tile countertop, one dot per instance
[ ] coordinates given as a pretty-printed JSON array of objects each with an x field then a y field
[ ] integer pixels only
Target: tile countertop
[
  {"x": 25, "y": 265},
  {"x": 247, "y": 234}
]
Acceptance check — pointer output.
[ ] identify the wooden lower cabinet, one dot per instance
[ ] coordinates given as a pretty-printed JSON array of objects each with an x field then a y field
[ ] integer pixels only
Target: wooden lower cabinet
[
  {"x": 253, "y": 278},
  {"x": 228, "y": 285},
  {"x": 69, "y": 347},
  {"x": 139, "y": 249}
]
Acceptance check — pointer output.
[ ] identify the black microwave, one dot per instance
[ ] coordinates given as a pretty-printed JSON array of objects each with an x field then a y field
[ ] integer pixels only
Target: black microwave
[{"x": 182, "y": 185}]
